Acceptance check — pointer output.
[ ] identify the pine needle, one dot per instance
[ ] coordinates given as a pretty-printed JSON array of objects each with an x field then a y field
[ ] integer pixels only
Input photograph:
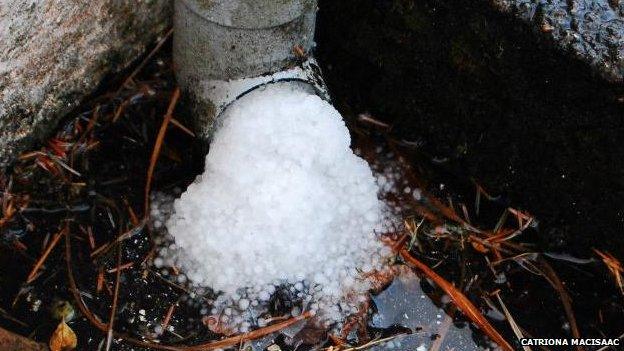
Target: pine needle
[
  {"x": 33, "y": 273},
  {"x": 158, "y": 145},
  {"x": 512, "y": 322}
]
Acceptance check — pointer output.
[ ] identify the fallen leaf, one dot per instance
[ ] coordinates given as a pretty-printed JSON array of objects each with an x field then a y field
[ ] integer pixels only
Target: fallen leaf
[{"x": 63, "y": 338}]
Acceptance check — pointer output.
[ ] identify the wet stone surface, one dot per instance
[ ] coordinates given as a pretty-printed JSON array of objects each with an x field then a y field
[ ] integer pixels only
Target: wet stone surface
[{"x": 591, "y": 30}]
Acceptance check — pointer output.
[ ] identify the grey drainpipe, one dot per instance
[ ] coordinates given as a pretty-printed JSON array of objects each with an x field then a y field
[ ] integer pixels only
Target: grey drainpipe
[{"x": 225, "y": 48}]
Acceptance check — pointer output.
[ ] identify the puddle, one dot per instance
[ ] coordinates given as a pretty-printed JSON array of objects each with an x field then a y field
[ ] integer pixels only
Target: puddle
[{"x": 405, "y": 304}]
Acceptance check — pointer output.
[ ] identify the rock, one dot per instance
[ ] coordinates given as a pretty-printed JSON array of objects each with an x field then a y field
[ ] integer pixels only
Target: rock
[
  {"x": 55, "y": 53},
  {"x": 503, "y": 102},
  {"x": 592, "y": 30}
]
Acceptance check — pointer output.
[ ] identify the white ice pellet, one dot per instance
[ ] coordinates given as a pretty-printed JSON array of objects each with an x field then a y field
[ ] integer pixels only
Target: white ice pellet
[
  {"x": 417, "y": 194},
  {"x": 243, "y": 304},
  {"x": 283, "y": 201},
  {"x": 158, "y": 329}
]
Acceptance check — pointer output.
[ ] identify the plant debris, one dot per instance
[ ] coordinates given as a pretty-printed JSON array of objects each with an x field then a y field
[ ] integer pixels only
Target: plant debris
[
  {"x": 87, "y": 190},
  {"x": 63, "y": 338}
]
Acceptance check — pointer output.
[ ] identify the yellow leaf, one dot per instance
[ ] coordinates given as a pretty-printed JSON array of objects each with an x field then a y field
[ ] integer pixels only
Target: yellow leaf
[{"x": 63, "y": 338}]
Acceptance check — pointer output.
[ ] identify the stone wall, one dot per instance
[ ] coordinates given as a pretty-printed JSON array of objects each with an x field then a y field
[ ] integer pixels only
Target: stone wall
[{"x": 54, "y": 53}]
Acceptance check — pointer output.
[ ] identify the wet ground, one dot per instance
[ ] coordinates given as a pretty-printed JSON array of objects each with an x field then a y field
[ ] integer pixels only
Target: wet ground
[
  {"x": 90, "y": 181},
  {"x": 482, "y": 94}
]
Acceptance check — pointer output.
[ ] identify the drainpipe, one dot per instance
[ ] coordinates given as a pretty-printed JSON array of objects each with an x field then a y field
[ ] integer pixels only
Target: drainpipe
[{"x": 223, "y": 49}]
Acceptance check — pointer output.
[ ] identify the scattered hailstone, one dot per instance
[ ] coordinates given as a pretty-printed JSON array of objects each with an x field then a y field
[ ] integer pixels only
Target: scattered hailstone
[{"x": 283, "y": 205}]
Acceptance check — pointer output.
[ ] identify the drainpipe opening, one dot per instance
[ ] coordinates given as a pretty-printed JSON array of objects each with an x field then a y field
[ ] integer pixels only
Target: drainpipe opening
[{"x": 224, "y": 49}]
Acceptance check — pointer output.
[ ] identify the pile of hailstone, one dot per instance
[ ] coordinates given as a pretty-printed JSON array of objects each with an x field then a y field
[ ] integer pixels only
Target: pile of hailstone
[{"x": 283, "y": 205}]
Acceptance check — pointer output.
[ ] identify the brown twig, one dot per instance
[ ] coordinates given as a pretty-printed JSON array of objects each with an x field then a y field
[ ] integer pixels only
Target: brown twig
[
  {"x": 614, "y": 266},
  {"x": 133, "y": 217},
  {"x": 111, "y": 320},
  {"x": 258, "y": 333},
  {"x": 512, "y": 322},
  {"x": 120, "y": 108},
  {"x": 146, "y": 59},
  {"x": 182, "y": 127},
  {"x": 158, "y": 146},
  {"x": 55, "y": 239},
  {"x": 128, "y": 234},
  {"x": 95, "y": 321},
  {"x": 100, "y": 280},
  {"x": 4, "y": 314},
  {"x": 566, "y": 300},
  {"x": 120, "y": 267},
  {"x": 167, "y": 319},
  {"x": 368, "y": 345}
]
